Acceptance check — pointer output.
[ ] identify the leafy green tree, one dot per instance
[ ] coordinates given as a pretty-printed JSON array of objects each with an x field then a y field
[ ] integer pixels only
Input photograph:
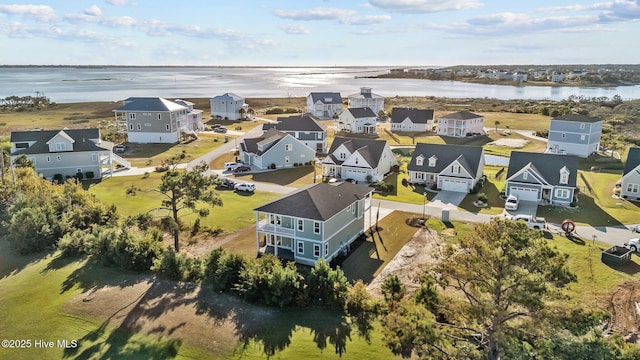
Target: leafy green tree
[
  {"x": 327, "y": 285},
  {"x": 184, "y": 190},
  {"x": 393, "y": 289}
]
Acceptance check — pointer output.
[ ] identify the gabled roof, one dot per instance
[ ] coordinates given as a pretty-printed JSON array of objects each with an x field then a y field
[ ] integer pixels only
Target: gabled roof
[
  {"x": 251, "y": 145},
  {"x": 461, "y": 115},
  {"x": 633, "y": 160},
  {"x": 577, "y": 118},
  {"x": 469, "y": 157},
  {"x": 317, "y": 202},
  {"x": 417, "y": 116},
  {"x": 304, "y": 122},
  {"x": 362, "y": 112},
  {"x": 326, "y": 97},
  {"x": 371, "y": 150},
  {"x": 227, "y": 97},
  {"x": 365, "y": 95},
  {"x": 81, "y": 140},
  {"x": 547, "y": 165},
  {"x": 149, "y": 104}
]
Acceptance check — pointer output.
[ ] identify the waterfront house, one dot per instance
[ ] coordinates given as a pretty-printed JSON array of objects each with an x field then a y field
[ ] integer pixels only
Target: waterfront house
[
  {"x": 275, "y": 149},
  {"x": 358, "y": 159},
  {"x": 460, "y": 124},
  {"x": 630, "y": 183},
  {"x": 574, "y": 134},
  {"x": 546, "y": 178},
  {"x": 450, "y": 167},
  {"x": 305, "y": 128},
  {"x": 228, "y": 106},
  {"x": 411, "y": 120},
  {"x": 317, "y": 221},
  {"x": 151, "y": 120},
  {"x": 192, "y": 121},
  {"x": 365, "y": 98},
  {"x": 324, "y": 105},
  {"x": 66, "y": 153},
  {"x": 361, "y": 120}
]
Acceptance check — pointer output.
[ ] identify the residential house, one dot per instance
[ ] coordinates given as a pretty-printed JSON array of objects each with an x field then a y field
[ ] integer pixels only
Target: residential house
[
  {"x": 324, "y": 105},
  {"x": 460, "y": 124},
  {"x": 546, "y": 178},
  {"x": 192, "y": 121},
  {"x": 361, "y": 120},
  {"x": 557, "y": 77},
  {"x": 365, "y": 98},
  {"x": 358, "y": 159},
  {"x": 275, "y": 149},
  {"x": 228, "y": 106},
  {"x": 574, "y": 134},
  {"x": 317, "y": 221},
  {"x": 449, "y": 167},
  {"x": 66, "y": 152},
  {"x": 151, "y": 120},
  {"x": 630, "y": 183},
  {"x": 411, "y": 120},
  {"x": 305, "y": 128}
]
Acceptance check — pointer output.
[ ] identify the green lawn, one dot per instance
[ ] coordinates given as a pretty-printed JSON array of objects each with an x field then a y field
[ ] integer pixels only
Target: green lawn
[
  {"x": 235, "y": 214},
  {"x": 372, "y": 255},
  {"x": 294, "y": 177},
  {"x": 491, "y": 189}
]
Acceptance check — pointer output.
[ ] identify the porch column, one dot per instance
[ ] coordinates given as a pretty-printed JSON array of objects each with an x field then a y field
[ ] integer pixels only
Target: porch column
[{"x": 257, "y": 232}]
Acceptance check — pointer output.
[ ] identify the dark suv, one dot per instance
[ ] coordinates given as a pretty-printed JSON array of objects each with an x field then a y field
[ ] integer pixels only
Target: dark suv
[{"x": 227, "y": 183}]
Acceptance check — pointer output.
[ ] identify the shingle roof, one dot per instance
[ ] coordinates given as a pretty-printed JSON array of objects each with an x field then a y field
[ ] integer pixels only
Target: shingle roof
[
  {"x": 577, "y": 118},
  {"x": 317, "y": 202},
  {"x": 548, "y": 165},
  {"x": 365, "y": 95},
  {"x": 303, "y": 122},
  {"x": 461, "y": 115},
  {"x": 149, "y": 104},
  {"x": 371, "y": 150},
  {"x": 633, "y": 160},
  {"x": 417, "y": 116},
  {"x": 227, "y": 97},
  {"x": 326, "y": 97},
  {"x": 251, "y": 144},
  {"x": 361, "y": 112},
  {"x": 81, "y": 137},
  {"x": 469, "y": 157}
]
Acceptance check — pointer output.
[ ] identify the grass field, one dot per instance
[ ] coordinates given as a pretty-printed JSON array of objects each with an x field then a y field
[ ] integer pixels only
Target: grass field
[
  {"x": 294, "y": 177},
  {"x": 491, "y": 188}
]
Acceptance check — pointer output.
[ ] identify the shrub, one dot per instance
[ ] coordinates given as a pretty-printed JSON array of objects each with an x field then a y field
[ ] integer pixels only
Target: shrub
[
  {"x": 272, "y": 166},
  {"x": 383, "y": 186},
  {"x": 482, "y": 197},
  {"x": 326, "y": 285},
  {"x": 145, "y": 175},
  {"x": 295, "y": 164},
  {"x": 405, "y": 182},
  {"x": 368, "y": 178},
  {"x": 57, "y": 178},
  {"x": 266, "y": 281},
  {"x": 177, "y": 266},
  {"x": 222, "y": 270},
  {"x": 395, "y": 168},
  {"x": 393, "y": 289},
  {"x": 90, "y": 175},
  {"x": 359, "y": 300},
  {"x": 434, "y": 186},
  {"x": 79, "y": 175}
]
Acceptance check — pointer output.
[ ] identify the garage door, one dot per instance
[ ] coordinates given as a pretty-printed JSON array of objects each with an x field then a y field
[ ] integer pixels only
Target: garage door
[
  {"x": 526, "y": 194},
  {"x": 454, "y": 185}
]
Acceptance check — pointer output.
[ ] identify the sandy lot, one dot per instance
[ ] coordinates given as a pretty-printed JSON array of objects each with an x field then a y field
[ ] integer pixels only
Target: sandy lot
[{"x": 510, "y": 143}]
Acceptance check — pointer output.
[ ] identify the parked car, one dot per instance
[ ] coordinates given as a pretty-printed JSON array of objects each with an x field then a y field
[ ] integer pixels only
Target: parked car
[
  {"x": 227, "y": 183},
  {"x": 633, "y": 244},
  {"x": 242, "y": 168},
  {"x": 531, "y": 221},
  {"x": 119, "y": 148},
  {"x": 230, "y": 166},
  {"x": 636, "y": 228},
  {"x": 248, "y": 187},
  {"x": 511, "y": 203},
  {"x": 220, "y": 129}
]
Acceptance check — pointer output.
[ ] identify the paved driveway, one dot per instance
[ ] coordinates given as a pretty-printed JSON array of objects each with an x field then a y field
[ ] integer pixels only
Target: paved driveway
[
  {"x": 447, "y": 199},
  {"x": 525, "y": 207}
]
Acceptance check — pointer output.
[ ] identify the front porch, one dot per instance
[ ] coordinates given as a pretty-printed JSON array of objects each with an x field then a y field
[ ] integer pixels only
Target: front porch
[{"x": 286, "y": 254}]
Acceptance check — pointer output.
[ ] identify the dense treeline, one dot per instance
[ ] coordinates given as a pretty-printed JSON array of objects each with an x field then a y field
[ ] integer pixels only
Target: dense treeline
[{"x": 22, "y": 103}]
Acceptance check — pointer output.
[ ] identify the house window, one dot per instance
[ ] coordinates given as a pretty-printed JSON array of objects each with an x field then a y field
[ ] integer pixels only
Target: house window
[
  {"x": 59, "y": 158},
  {"x": 418, "y": 176},
  {"x": 286, "y": 159},
  {"x": 132, "y": 116},
  {"x": 419, "y": 160},
  {"x": 316, "y": 227},
  {"x": 94, "y": 157},
  {"x": 278, "y": 220},
  {"x": 300, "y": 225},
  {"x": 60, "y": 146},
  {"x": 159, "y": 116},
  {"x": 326, "y": 249},
  {"x": 138, "y": 126},
  {"x": 343, "y": 156},
  {"x": 130, "y": 126},
  {"x": 633, "y": 188},
  {"x": 356, "y": 161},
  {"x": 455, "y": 169},
  {"x": 564, "y": 135},
  {"x": 562, "y": 193},
  {"x": 354, "y": 206},
  {"x": 48, "y": 158},
  {"x": 167, "y": 127},
  {"x": 432, "y": 161},
  {"x": 319, "y": 135},
  {"x": 525, "y": 176},
  {"x": 582, "y": 137},
  {"x": 288, "y": 147},
  {"x": 300, "y": 247},
  {"x": 582, "y": 126},
  {"x": 316, "y": 250}
]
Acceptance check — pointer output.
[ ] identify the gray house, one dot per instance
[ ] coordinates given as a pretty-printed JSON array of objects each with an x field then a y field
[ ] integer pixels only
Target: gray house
[
  {"x": 631, "y": 177},
  {"x": 450, "y": 167},
  {"x": 574, "y": 134},
  {"x": 275, "y": 149},
  {"x": 228, "y": 106},
  {"x": 547, "y": 178},
  {"x": 305, "y": 128},
  {"x": 358, "y": 159},
  {"x": 317, "y": 221},
  {"x": 65, "y": 152},
  {"x": 411, "y": 119},
  {"x": 151, "y": 120},
  {"x": 324, "y": 105}
]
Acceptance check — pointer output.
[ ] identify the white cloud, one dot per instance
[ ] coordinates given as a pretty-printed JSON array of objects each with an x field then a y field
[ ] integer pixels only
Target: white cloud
[
  {"x": 295, "y": 29},
  {"x": 94, "y": 10},
  {"x": 38, "y": 12},
  {"x": 314, "y": 14},
  {"x": 118, "y": 2},
  {"x": 424, "y": 6},
  {"x": 110, "y": 21},
  {"x": 365, "y": 20}
]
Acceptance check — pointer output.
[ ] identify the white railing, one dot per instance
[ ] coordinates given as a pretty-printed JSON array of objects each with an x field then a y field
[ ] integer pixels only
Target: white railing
[
  {"x": 265, "y": 226},
  {"x": 120, "y": 161}
]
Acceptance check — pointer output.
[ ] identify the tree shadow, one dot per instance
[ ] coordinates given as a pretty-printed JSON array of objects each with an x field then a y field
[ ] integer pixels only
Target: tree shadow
[
  {"x": 363, "y": 261},
  {"x": 587, "y": 212},
  {"x": 575, "y": 239},
  {"x": 93, "y": 276}
]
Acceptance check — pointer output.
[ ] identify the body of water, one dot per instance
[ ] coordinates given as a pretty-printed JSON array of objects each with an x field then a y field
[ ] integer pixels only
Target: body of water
[{"x": 83, "y": 84}]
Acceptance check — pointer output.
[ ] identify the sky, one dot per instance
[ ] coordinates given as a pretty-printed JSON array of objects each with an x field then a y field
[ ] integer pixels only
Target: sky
[{"x": 319, "y": 32}]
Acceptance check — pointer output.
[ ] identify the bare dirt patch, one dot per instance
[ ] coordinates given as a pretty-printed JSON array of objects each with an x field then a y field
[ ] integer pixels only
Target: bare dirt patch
[
  {"x": 510, "y": 143},
  {"x": 409, "y": 262},
  {"x": 624, "y": 306}
]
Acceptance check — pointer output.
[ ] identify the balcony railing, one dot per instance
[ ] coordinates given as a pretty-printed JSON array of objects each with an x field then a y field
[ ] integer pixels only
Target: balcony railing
[{"x": 265, "y": 226}]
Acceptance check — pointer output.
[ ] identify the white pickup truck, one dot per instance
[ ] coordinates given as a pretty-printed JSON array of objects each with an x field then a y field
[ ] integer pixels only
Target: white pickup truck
[
  {"x": 633, "y": 244},
  {"x": 531, "y": 221}
]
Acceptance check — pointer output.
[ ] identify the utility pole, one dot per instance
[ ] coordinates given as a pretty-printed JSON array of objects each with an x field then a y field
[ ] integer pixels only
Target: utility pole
[{"x": 2, "y": 166}]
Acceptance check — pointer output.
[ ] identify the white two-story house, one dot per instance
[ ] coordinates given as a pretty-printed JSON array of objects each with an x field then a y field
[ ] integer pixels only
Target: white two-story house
[
  {"x": 460, "y": 124},
  {"x": 358, "y": 159},
  {"x": 411, "y": 120},
  {"x": 324, "y": 105},
  {"x": 365, "y": 98},
  {"x": 228, "y": 106},
  {"x": 630, "y": 183},
  {"x": 574, "y": 134},
  {"x": 357, "y": 120}
]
